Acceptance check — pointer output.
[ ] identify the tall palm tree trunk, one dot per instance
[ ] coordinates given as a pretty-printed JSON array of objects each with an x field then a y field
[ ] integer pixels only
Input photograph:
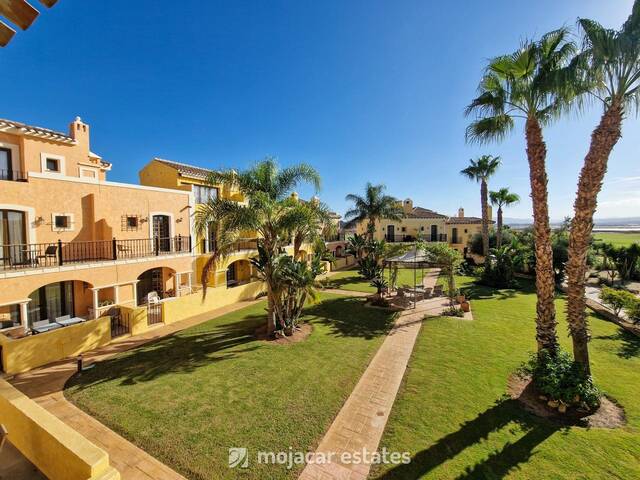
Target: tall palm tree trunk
[
  {"x": 499, "y": 228},
  {"x": 484, "y": 198},
  {"x": 546, "y": 334},
  {"x": 603, "y": 139}
]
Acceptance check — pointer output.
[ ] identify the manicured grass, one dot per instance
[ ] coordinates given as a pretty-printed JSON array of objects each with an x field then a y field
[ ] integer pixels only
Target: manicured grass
[
  {"x": 350, "y": 280},
  {"x": 618, "y": 239},
  {"x": 186, "y": 399},
  {"x": 452, "y": 416}
]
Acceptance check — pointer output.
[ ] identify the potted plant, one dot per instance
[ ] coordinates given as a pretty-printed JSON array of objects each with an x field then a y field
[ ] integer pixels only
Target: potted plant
[
  {"x": 466, "y": 306},
  {"x": 460, "y": 298}
]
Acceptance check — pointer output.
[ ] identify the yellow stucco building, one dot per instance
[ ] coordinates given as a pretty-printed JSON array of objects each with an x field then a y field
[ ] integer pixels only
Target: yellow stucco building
[
  {"x": 72, "y": 243},
  {"x": 428, "y": 225}
]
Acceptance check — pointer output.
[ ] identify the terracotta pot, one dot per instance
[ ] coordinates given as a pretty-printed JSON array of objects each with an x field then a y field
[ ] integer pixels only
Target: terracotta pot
[
  {"x": 466, "y": 306},
  {"x": 460, "y": 299}
]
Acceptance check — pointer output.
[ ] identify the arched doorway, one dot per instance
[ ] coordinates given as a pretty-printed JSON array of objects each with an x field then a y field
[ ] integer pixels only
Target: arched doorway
[
  {"x": 59, "y": 303},
  {"x": 238, "y": 273},
  {"x": 158, "y": 280}
]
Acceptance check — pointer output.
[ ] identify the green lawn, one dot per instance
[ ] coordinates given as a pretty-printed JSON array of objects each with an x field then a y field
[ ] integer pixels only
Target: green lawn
[
  {"x": 452, "y": 416},
  {"x": 618, "y": 239},
  {"x": 186, "y": 399},
  {"x": 350, "y": 280}
]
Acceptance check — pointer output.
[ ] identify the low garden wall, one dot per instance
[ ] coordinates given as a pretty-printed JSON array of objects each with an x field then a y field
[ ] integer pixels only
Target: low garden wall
[
  {"x": 193, "y": 304},
  {"x": 136, "y": 318},
  {"x": 342, "y": 262},
  {"x": 53, "y": 447},
  {"x": 23, "y": 354}
]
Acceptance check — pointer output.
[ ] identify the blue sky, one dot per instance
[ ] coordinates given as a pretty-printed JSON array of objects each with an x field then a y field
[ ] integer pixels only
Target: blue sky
[{"x": 363, "y": 90}]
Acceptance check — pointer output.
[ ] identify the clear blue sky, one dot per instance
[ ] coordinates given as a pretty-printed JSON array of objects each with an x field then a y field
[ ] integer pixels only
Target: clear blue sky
[{"x": 363, "y": 90}]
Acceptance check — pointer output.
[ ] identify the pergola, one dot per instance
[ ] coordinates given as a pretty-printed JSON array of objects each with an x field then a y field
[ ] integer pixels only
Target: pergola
[
  {"x": 413, "y": 259},
  {"x": 20, "y": 13}
]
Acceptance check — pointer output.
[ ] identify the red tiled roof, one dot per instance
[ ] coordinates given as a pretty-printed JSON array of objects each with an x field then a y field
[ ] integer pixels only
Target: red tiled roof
[
  {"x": 187, "y": 170},
  {"x": 9, "y": 125},
  {"x": 419, "y": 212}
]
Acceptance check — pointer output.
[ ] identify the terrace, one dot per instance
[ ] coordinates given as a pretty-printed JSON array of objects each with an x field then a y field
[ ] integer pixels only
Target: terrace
[{"x": 25, "y": 256}]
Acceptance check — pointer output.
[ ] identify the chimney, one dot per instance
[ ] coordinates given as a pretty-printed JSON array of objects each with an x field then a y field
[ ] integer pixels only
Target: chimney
[
  {"x": 294, "y": 196},
  {"x": 407, "y": 206},
  {"x": 79, "y": 131},
  {"x": 461, "y": 212}
]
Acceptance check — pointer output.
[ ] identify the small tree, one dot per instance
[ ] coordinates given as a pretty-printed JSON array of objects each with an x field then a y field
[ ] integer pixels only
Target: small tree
[
  {"x": 616, "y": 299},
  {"x": 632, "y": 309}
]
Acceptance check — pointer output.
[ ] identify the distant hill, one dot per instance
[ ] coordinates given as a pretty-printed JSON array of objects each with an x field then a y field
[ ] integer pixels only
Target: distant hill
[{"x": 630, "y": 222}]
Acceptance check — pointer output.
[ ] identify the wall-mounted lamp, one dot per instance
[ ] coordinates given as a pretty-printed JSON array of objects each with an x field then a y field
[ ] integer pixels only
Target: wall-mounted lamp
[
  {"x": 39, "y": 221},
  {"x": 179, "y": 220}
]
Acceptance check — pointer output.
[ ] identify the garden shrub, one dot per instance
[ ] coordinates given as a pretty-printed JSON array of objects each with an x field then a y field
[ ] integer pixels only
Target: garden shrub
[
  {"x": 617, "y": 299},
  {"x": 560, "y": 378}
]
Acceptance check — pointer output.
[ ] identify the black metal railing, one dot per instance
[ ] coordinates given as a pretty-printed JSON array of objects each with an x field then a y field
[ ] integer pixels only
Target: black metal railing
[
  {"x": 40, "y": 255},
  {"x": 242, "y": 244},
  {"x": 440, "y": 237},
  {"x": 120, "y": 324},
  {"x": 154, "y": 313},
  {"x": 13, "y": 175}
]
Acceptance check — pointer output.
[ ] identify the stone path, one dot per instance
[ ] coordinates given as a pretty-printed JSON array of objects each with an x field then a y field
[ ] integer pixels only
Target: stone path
[
  {"x": 362, "y": 419},
  {"x": 45, "y": 385}
]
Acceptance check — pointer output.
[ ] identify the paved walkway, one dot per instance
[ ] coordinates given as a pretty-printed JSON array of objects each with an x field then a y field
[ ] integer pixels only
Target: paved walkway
[
  {"x": 361, "y": 421},
  {"x": 45, "y": 386}
]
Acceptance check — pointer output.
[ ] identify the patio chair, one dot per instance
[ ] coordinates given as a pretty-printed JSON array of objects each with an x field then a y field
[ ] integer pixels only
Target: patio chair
[
  {"x": 437, "y": 291},
  {"x": 51, "y": 252},
  {"x": 427, "y": 292},
  {"x": 153, "y": 298},
  {"x": 123, "y": 249}
]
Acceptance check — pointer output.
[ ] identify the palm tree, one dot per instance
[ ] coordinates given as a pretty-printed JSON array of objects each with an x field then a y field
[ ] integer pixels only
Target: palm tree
[
  {"x": 502, "y": 198},
  {"x": 527, "y": 85},
  {"x": 480, "y": 170},
  {"x": 610, "y": 61},
  {"x": 268, "y": 210},
  {"x": 313, "y": 221},
  {"x": 371, "y": 208}
]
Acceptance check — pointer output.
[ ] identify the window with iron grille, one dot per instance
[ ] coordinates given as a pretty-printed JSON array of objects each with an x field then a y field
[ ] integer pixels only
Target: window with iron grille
[{"x": 130, "y": 223}]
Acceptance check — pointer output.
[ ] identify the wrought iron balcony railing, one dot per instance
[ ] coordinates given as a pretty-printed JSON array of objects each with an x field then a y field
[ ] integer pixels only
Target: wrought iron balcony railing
[
  {"x": 13, "y": 175},
  {"x": 242, "y": 244},
  {"x": 440, "y": 237},
  {"x": 42, "y": 255}
]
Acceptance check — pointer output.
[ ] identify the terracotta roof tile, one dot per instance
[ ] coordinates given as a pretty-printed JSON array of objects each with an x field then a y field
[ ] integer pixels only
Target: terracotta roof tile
[
  {"x": 8, "y": 125},
  {"x": 419, "y": 212},
  {"x": 187, "y": 170}
]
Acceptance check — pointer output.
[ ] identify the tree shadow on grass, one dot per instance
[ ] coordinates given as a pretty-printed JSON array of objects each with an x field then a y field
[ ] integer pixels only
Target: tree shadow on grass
[
  {"x": 629, "y": 343},
  {"x": 182, "y": 352},
  {"x": 347, "y": 317},
  {"x": 483, "y": 292},
  {"x": 499, "y": 463},
  {"x": 210, "y": 342},
  {"x": 352, "y": 281}
]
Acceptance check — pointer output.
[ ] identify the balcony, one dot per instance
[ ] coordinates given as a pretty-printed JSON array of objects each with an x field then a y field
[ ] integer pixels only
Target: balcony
[
  {"x": 57, "y": 254},
  {"x": 406, "y": 238},
  {"x": 13, "y": 175},
  {"x": 240, "y": 245}
]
